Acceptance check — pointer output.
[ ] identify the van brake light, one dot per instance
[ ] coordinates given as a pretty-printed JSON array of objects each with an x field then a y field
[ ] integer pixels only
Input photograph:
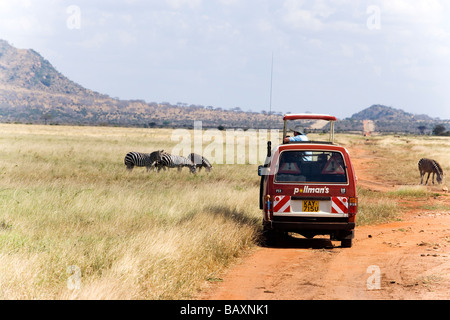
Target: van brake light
[{"x": 352, "y": 206}]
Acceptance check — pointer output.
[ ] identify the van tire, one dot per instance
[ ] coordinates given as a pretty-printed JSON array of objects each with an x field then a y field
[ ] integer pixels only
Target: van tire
[
  {"x": 271, "y": 237},
  {"x": 346, "y": 243}
]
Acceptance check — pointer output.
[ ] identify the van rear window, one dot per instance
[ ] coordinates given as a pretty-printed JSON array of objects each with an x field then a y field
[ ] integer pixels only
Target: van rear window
[{"x": 311, "y": 166}]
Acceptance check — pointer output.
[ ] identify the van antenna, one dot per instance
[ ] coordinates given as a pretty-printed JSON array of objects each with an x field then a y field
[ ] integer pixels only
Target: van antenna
[
  {"x": 271, "y": 82},
  {"x": 271, "y": 85}
]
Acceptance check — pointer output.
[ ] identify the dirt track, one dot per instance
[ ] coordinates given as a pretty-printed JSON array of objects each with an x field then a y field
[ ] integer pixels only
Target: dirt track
[{"x": 411, "y": 256}]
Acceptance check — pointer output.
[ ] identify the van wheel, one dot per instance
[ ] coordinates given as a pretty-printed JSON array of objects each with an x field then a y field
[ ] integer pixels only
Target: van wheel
[
  {"x": 270, "y": 237},
  {"x": 346, "y": 243}
]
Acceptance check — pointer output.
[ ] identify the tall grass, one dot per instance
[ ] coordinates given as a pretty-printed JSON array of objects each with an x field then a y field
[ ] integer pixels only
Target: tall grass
[
  {"x": 398, "y": 156},
  {"x": 395, "y": 161},
  {"x": 376, "y": 207},
  {"x": 67, "y": 200},
  {"x": 68, "y": 203}
]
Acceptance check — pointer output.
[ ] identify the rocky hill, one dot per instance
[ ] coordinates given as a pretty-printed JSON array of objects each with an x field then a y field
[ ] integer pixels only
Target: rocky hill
[
  {"x": 33, "y": 91},
  {"x": 379, "y": 112},
  {"x": 27, "y": 69},
  {"x": 391, "y": 120}
]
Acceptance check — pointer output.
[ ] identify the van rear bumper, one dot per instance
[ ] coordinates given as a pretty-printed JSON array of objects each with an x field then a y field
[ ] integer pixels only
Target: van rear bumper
[
  {"x": 299, "y": 226},
  {"x": 311, "y": 224}
]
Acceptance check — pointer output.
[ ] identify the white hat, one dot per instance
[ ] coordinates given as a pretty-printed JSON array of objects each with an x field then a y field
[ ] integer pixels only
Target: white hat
[{"x": 298, "y": 129}]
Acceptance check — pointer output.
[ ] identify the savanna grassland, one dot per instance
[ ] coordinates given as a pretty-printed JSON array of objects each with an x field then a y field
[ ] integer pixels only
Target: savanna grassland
[
  {"x": 75, "y": 224},
  {"x": 67, "y": 200},
  {"x": 392, "y": 162}
]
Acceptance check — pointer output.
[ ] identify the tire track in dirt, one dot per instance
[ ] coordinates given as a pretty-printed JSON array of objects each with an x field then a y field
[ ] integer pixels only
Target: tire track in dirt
[{"x": 413, "y": 257}]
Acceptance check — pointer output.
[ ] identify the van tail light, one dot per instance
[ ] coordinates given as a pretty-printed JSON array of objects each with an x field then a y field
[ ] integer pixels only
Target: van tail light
[{"x": 352, "y": 206}]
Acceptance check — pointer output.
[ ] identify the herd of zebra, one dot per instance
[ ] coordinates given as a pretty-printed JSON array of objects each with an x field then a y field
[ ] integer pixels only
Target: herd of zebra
[{"x": 158, "y": 160}]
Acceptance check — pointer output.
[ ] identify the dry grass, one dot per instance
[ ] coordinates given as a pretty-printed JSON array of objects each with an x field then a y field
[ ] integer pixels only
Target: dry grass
[
  {"x": 398, "y": 156},
  {"x": 376, "y": 207},
  {"x": 66, "y": 200},
  {"x": 395, "y": 161}
]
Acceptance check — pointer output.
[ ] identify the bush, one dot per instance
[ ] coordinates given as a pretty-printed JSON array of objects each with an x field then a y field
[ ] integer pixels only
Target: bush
[{"x": 440, "y": 130}]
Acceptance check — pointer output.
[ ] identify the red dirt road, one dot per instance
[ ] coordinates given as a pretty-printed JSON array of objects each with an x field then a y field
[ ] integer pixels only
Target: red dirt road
[{"x": 408, "y": 259}]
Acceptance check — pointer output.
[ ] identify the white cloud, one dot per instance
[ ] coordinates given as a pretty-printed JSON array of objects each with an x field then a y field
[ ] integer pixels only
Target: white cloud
[
  {"x": 347, "y": 51},
  {"x": 95, "y": 40},
  {"x": 229, "y": 2},
  {"x": 420, "y": 18},
  {"x": 429, "y": 11},
  {"x": 178, "y": 4},
  {"x": 296, "y": 16},
  {"x": 228, "y": 40},
  {"x": 26, "y": 19},
  {"x": 127, "y": 38}
]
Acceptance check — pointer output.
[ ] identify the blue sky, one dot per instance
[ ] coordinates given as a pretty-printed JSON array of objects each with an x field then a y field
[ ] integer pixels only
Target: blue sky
[{"x": 330, "y": 56}]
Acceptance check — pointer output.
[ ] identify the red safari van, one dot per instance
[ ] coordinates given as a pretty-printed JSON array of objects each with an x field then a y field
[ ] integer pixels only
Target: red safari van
[{"x": 308, "y": 187}]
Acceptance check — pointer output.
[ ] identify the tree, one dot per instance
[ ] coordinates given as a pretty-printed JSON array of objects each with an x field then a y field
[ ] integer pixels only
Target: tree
[
  {"x": 439, "y": 130},
  {"x": 422, "y": 129}
]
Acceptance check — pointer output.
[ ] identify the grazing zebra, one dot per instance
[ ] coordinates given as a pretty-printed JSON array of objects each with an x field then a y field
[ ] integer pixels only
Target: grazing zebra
[
  {"x": 172, "y": 161},
  {"x": 430, "y": 166},
  {"x": 200, "y": 162},
  {"x": 138, "y": 159}
]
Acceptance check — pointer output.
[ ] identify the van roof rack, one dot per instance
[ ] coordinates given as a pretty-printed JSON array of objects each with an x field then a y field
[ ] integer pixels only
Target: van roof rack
[{"x": 310, "y": 116}]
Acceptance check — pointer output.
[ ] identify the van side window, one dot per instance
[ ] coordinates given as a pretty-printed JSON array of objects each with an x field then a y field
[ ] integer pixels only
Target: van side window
[{"x": 311, "y": 166}]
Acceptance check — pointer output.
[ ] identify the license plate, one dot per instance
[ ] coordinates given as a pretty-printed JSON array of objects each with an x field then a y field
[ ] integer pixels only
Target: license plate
[{"x": 310, "y": 206}]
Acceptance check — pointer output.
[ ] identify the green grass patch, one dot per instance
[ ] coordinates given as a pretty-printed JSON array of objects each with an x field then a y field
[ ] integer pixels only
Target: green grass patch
[
  {"x": 436, "y": 207},
  {"x": 410, "y": 191}
]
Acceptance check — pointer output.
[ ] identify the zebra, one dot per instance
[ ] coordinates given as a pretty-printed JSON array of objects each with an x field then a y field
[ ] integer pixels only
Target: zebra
[
  {"x": 200, "y": 162},
  {"x": 138, "y": 159},
  {"x": 430, "y": 166},
  {"x": 172, "y": 161}
]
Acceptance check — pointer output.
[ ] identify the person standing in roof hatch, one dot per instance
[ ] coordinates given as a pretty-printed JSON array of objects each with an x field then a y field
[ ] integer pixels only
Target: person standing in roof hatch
[{"x": 298, "y": 135}]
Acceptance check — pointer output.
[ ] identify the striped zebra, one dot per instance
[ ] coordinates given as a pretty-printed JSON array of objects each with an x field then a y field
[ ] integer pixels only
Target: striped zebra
[
  {"x": 172, "y": 161},
  {"x": 200, "y": 162},
  {"x": 138, "y": 159},
  {"x": 430, "y": 166}
]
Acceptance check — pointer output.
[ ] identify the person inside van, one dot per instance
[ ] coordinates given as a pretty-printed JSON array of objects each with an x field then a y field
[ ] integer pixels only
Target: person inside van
[{"x": 298, "y": 135}]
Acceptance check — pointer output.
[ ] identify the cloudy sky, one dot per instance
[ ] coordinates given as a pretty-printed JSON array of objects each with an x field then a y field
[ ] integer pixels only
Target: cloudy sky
[{"x": 329, "y": 56}]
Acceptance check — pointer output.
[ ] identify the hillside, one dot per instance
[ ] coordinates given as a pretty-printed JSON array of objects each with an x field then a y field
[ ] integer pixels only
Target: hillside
[
  {"x": 379, "y": 112},
  {"x": 391, "y": 120},
  {"x": 27, "y": 69},
  {"x": 33, "y": 91}
]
